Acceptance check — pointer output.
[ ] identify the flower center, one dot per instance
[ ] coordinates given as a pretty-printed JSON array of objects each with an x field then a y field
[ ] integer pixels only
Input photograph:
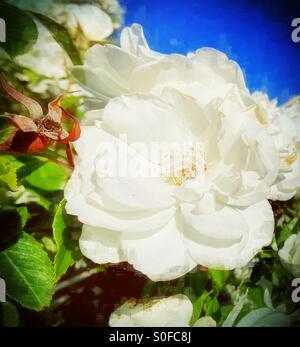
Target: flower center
[
  {"x": 262, "y": 115},
  {"x": 291, "y": 158},
  {"x": 183, "y": 174},
  {"x": 183, "y": 164}
]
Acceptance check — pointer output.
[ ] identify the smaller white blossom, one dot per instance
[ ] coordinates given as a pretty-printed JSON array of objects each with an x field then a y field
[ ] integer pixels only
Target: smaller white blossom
[
  {"x": 290, "y": 255},
  {"x": 95, "y": 24},
  {"x": 174, "y": 311}
]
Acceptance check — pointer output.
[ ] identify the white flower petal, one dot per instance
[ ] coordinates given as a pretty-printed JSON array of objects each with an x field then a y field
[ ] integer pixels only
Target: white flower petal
[
  {"x": 97, "y": 82},
  {"x": 205, "y": 75},
  {"x": 161, "y": 256},
  {"x": 95, "y": 23},
  {"x": 92, "y": 214},
  {"x": 137, "y": 193},
  {"x": 133, "y": 41},
  {"x": 229, "y": 237},
  {"x": 182, "y": 118},
  {"x": 100, "y": 245},
  {"x": 205, "y": 322}
]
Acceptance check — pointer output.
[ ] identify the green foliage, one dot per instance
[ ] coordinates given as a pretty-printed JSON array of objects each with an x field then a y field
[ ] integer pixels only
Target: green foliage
[
  {"x": 198, "y": 307},
  {"x": 12, "y": 221},
  {"x": 28, "y": 165},
  {"x": 255, "y": 295},
  {"x": 61, "y": 35},
  {"x": 236, "y": 310},
  {"x": 212, "y": 306},
  {"x": 9, "y": 316},
  {"x": 21, "y": 31},
  {"x": 197, "y": 282},
  {"x": 28, "y": 273},
  {"x": 265, "y": 317},
  {"x": 48, "y": 177},
  {"x": 218, "y": 278},
  {"x": 31, "y": 196},
  {"x": 49, "y": 244},
  {"x": 71, "y": 103},
  {"x": 8, "y": 175},
  {"x": 287, "y": 229},
  {"x": 67, "y": 248}
]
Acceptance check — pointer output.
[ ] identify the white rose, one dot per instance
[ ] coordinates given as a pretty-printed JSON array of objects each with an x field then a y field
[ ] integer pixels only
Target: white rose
[
  {"x": 174, "y": 311},
  {"x": 290, "y": 255},
  {"x": 283, "y": 123},
  {"x": 95, "y": 24},
  {"x": 111, "y": 71},
  {"x": 211, "y": 211}
]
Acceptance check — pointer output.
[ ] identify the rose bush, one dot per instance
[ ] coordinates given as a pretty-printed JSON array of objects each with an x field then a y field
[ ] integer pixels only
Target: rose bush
[{"x": 211, "y": 210}]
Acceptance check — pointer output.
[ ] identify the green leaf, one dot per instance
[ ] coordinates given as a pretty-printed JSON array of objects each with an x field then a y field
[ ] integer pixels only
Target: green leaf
[
  {"x": 232, "y": 317},
  {"x": 213, "y": 307},
  {"x": 30, "y": 196},
  {"x": 267, "y": 299},
  {"x": 198, "y": 306},
  {"x": 61, "y": 35},
  {"x": 21, "y": 31},
  {"x": 12, "y": 221},
  {"x": 8, "y": 175},
  {"x": 285, "y": 233},
  {"x": 266, "y": 254},
  {"x": 9, "y": 316},
  {"x": 277, "y": 274},
  {"x": 28, "y": 165},
  {"x": 67, "y": 248},
  {"x": 23, "y": 213},
  {"x": 255, "y": 295},
  {"x": 225, "y": 310},
  {"x": 264, "y": 283},
  {"x": 149, "y": 289},
  {"x": 218, "y": 277},
  {"x": 28, "y": 273},
  {"x": 49, "y": 177},
  {"x": 197, "y": 281},
  {"x": 49, "y": 244},
  {"x": 3, "y": 168},
  {"x": 264, "y": 317}
]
